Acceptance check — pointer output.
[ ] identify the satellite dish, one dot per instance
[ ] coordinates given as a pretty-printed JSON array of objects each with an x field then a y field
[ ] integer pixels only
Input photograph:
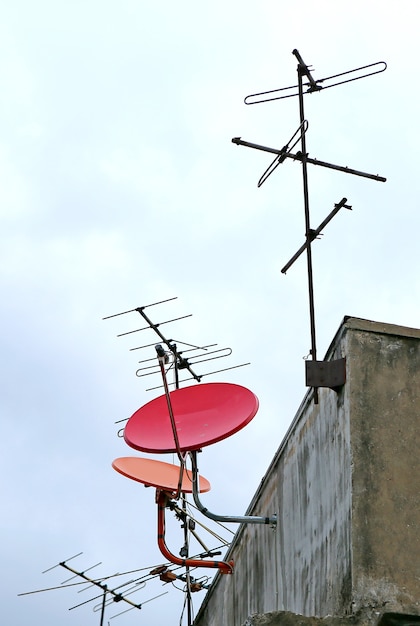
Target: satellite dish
[
  {"x": 203, "y": 414},
  {"x": 157, "y": 474}
]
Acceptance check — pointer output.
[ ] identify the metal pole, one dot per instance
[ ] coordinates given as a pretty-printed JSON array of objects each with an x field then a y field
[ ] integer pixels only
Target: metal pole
[
  {"x": 187, "y": 569},
  {"x": 303, "y": 71},
  {"x": 175, "y": 353},
  {"x": 105, "y": 588}
]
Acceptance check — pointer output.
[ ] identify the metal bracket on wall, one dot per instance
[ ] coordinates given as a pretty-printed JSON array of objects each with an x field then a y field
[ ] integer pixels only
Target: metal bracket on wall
[{"x": 331, "y": 374}]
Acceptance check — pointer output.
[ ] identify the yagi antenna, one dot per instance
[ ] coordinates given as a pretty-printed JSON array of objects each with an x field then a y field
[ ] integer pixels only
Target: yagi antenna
[
  {"x": 330, "y": 374},
  {"x": 116, "y": 594},
  {"x": 175, "y": 357}
]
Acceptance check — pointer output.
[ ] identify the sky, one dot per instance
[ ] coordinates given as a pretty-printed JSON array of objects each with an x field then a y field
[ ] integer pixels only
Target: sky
[{"x": 120, "y": 187}]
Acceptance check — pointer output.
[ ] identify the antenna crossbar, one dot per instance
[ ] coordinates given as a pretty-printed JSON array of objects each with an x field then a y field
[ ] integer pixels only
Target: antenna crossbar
[
  {"x": 146, "y": 306},
  {"x": 298, "y": 156},
  {"x": 153, "y": 326},
  {"x": 315, "y": 233}
]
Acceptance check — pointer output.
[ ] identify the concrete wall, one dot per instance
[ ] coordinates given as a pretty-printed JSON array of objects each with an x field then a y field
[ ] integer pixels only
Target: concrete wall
[
  {"x": 385, "y": 437},
  {"x": 345, "y": 484}
]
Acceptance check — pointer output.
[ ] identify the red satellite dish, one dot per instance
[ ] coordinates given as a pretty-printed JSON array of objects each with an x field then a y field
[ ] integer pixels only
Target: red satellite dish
[
  {"x": 157, "y": 474},
  {"x": 204, "y": 414}
]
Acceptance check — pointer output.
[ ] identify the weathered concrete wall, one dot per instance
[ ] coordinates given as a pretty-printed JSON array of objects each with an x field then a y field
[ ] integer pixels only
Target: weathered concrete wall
[
  {"x": 345, "y": 484},
  {"x": 385, "y": 437}
]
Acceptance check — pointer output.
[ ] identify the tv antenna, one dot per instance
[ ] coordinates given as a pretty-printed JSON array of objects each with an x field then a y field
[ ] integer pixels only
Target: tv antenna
[
  {"x": 109, "y": 595},
  {"x": 330, "y": 374},
  {"x": 164, "y": 573},
  {"x": 175, "y": 358}
]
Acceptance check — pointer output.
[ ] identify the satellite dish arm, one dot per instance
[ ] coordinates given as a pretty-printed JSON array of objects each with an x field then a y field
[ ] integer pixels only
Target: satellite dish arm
[{"x": 240, "y": 519}]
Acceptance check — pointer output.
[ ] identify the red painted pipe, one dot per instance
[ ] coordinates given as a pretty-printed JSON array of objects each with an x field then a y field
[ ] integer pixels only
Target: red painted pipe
[{"x": 224, "y": 568}]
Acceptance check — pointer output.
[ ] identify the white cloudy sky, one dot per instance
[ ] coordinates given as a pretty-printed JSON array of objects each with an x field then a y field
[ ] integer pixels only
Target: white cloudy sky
[{"x": 119, "y": 186}]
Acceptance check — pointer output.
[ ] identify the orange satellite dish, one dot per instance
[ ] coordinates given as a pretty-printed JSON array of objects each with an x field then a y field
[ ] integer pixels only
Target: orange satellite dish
[{"x": 157, "y": 474}]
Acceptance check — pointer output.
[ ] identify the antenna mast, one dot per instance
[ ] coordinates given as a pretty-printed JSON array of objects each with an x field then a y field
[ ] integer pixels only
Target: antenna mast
[{"x": 330, "y": 374}]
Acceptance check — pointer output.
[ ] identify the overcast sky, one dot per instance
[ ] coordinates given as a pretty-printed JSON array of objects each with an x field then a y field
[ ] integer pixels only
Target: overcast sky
[{"x": 119, "y": 187}]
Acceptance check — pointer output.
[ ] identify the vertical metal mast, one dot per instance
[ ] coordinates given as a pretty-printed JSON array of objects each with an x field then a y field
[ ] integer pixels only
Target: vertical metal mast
[
  {"x": 185, "y": 548},
  {"x": 103, "y": 605},
  {"x": 187, "y": 568},
  {"x": 303, "y": 70}
]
